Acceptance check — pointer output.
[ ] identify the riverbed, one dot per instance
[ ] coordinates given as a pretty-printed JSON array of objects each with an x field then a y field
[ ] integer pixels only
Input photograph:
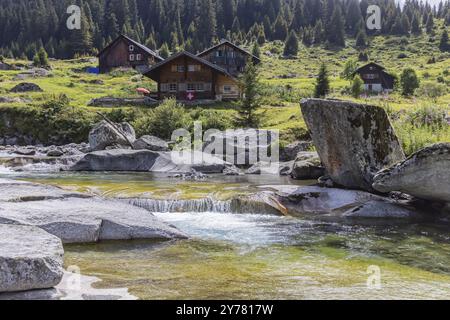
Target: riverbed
[{"x": 258, "y": 255}]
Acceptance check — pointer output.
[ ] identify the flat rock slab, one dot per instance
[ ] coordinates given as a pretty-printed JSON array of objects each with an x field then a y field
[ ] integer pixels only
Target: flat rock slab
[
  {"x": 354, "y": 141},
  {"x": 425, "y": 174},
  {"x": 12, "y": 190},
  {"x": 75, "y": 220},
  {"x": 72, "y": 287},
  {"x": 30, "y": 258}
]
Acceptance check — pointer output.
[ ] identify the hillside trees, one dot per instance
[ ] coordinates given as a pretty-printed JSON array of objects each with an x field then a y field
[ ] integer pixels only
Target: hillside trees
[{"x": 26, "y": 25}]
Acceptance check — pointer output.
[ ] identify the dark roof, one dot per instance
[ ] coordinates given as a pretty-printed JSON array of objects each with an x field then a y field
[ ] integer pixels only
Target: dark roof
[
  {"x": 224, "y": 41},
  {"x": 192, "y": 56},
  {"x": 122, "y": 36},
  {"x": 370, "y": 64}
]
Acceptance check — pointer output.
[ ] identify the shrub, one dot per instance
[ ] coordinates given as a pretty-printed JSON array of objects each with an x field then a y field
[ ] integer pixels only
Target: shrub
[
  {"x": 212, "y": 119},
  {"x": 432, "y": 90},
  {"x": 409, "y": 82},
  {"x": 163, "y": 120}
]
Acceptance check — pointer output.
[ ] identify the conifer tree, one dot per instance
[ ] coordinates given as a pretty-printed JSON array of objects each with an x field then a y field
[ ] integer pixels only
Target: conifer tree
[
  {"x": 444, "y": 45},
  {"x": 322, "y": 87},
  {"x": 247, "y": 116},
  {"x": 291, "y": 45}
]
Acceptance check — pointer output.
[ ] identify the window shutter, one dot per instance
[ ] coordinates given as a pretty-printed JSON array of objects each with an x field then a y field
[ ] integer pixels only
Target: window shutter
[
  {"x": 174, "y": 68},
  {"x": 164, "y": 87}
]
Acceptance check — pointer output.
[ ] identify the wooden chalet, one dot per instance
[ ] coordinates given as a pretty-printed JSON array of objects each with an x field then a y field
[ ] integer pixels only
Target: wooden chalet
[
  {"x": 126, "y": 52},
  {"x": 186, "y": 76},
  {"x": 375, "y": 78},
  {"x": 228, "y": 56}
]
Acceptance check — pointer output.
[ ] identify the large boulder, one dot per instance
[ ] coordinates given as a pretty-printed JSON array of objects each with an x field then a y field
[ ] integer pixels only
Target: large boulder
[
  {"x": 150, "y": 143},
  {"x": 105, "y": 135},
  {"x": 243, "y": 147},
  {"x": 354, "y": 141},
  {"x": 26, "y": 87},
  {"x": 290, "y": 152},
  {"x": 148, "y": 161},
  {"x": 307, "y": 166},
  {"x": 340, "y": 203},
  {"x": 30, "y": 258},
  {"x": 425, "y": 174}
]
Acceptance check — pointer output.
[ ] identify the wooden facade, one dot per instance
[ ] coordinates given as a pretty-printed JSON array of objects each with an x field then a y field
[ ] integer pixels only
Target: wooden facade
[
  {"x": 375, "y": 78},
  {"x": 125, "y": 52},
  {"x": 188, "y": 77},
  {"x": 229, "y": 57}
]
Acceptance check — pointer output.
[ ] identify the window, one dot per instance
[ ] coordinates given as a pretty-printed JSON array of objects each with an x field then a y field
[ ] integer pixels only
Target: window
[
  {"x": 231, "y": 54},
  {"x": 131, "y": 48},
  {"x": 219, "y": 53},
  {"x": 131, "y": 57},
  {"x": 139, "y": 57},
  {"x": 227, "y": 88},
  {"x": 371, "y": 76},
  {"x": 173, "y": 87},
  {"x": 180, "y": 68},
  {"x": 200, "y": 87},
  {"x": 194, "y": 67}
]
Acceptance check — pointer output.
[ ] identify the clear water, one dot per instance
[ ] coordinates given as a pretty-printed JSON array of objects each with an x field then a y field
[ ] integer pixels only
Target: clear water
[{"x": 257, "y": 256}]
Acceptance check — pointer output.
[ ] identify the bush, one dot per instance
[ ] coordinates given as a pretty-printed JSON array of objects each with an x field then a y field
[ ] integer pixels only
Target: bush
[
  {"x": 212, "y": 119},
  {"x": 432, "y": 90},
  {"x": 431, "y": 116},
  {"x": 163, "y": 120}
]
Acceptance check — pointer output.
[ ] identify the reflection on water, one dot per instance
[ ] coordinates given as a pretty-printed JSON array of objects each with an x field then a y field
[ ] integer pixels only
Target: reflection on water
[{"x": 256, "y": 256}]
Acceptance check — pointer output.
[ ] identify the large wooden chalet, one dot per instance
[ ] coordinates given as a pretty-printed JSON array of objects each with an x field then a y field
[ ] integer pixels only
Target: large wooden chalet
[
  {"x": 228, "y": 56},
  {"x": 186, "y": 76},
  {"x": 126, "y": 52},
  {"x": 375, "y": 78}
]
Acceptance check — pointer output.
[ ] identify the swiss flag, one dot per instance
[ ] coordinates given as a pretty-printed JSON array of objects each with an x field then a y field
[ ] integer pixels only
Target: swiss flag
[{"x": 190, "y": 96}]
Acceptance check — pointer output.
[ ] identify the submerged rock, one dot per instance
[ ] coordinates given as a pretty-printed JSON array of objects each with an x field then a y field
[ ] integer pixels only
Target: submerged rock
[
  {"x": 104, "y": 135},
  {"x": 354, "y": 141},
  {"x": 30, "y": 258},
  {"x": 425, "y": 174}
]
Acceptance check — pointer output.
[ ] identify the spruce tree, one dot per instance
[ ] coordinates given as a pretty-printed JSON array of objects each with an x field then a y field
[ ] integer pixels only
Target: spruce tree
[
  {"x": 322, "y": 87},
  {"x": 444, "y": 45},
  {"x": 291, "y": 45},
  {"x": 247, "y": 116},
  {"x": 256, "y": 51},
  {"x": 164, "y": 51},
  {"x": 361, "y": 40},
  {"x": 336, "y": 32}
]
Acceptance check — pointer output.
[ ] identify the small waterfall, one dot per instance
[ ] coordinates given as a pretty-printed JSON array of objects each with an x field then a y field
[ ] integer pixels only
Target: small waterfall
[{"x": 235, "y": 205}]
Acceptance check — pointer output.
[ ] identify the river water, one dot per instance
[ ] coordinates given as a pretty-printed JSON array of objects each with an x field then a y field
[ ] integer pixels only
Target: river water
[{"x": 256, "y": 256}]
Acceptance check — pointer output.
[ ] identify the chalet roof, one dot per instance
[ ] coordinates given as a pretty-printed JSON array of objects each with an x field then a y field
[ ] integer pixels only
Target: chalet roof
[
  {"x": 371, "y": 64},
  {"x": 192, "y": 56},
  {"x": 225, "y": 41},
  {"x": 137, "y": 44}
]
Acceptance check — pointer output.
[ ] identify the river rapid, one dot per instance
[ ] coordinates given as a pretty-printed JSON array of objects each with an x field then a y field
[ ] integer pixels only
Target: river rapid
[{"x": 254, "y": 255}]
